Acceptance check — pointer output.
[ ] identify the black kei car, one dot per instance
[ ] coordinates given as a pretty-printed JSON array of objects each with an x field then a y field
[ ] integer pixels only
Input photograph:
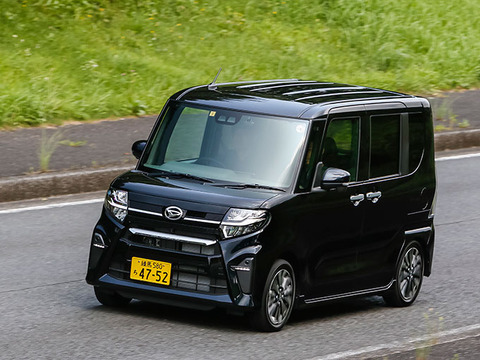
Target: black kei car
[{"x": 268, "y": 195}]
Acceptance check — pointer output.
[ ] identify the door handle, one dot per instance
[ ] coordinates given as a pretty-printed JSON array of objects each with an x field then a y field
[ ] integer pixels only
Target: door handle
[
  {"x": 357, "y": 199},
  {"x": 374, "y": 196}
]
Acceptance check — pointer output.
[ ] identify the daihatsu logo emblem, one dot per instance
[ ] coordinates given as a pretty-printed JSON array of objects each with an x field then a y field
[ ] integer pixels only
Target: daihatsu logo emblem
[{"x": 173, "y": 213}]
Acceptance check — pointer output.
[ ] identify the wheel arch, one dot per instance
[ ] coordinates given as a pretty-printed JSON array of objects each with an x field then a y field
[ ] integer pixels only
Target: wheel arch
[
  {"x": 298, "y": 270},
  {"x": 426, "y": 240},
  {"x": 405, "y": 289}
]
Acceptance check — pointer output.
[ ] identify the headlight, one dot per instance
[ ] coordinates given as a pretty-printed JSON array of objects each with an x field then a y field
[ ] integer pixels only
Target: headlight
[
  {"x": 237, "y": 222},
  {"x": 116, "y": 202}
]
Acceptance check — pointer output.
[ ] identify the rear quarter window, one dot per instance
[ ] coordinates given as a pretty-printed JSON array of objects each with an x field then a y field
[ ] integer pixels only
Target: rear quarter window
[
  {"x": 416, "y": 134},
  {"x": 384, "y": 145}
]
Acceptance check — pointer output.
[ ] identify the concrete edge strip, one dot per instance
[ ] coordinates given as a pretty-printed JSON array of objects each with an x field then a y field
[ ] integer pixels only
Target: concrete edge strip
[
  {"x": 457, "y": 140},
  {"x": 65, "y": 174},
  {"x": 62, "y": 183},
  {"x": 441, "y": 337}
]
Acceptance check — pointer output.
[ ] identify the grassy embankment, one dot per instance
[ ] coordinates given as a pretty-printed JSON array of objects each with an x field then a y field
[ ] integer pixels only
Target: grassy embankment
[{"x": 68, "y": 59}]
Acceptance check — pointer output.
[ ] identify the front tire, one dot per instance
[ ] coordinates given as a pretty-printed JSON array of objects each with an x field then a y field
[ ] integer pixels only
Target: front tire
[
  {"x": 110, "y": 298},
  {"x": 277, "y": 300},
  {"x": 408, "y": 277}
]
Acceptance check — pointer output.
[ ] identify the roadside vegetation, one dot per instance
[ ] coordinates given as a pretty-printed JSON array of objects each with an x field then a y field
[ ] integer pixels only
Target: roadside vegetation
[{"x": 75, "y": 60}]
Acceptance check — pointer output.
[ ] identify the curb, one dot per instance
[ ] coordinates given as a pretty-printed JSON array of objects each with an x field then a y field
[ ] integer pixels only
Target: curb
[
  {"x": 72, "y": 182},
  {"x": 457, "y": 140},
  {"x": 61, "y": 183}
]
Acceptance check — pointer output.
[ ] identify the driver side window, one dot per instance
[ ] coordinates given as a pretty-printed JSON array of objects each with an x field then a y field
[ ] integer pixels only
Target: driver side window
[{"x": 340, "y": 146}]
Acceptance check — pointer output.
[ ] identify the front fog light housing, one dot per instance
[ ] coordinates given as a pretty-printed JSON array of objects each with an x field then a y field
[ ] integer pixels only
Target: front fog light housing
[
  {"x": 244, "y": 274},
  {"x": 237, "y": 222},
  {"x": 98, "y": 241},
  {"x": 116, "y": 202}
]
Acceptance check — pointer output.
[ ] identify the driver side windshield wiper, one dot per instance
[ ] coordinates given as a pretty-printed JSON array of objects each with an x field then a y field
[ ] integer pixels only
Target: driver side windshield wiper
[
  {"x": 168, "y": 174},
  {"x": 249, "y": 186}
]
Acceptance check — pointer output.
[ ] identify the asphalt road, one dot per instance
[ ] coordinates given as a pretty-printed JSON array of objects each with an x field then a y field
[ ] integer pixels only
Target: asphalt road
[{"x": 48, "y": 311}]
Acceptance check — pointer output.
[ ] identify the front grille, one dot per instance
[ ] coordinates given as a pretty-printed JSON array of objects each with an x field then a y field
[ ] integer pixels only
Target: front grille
[
  {"x": 167, "y": 244},
  {"x": 184, "y": 227},
  {"x": 189, "y": 244},
  {"x": 195, "y": 278},
  {"x": 195, "y": 267}
]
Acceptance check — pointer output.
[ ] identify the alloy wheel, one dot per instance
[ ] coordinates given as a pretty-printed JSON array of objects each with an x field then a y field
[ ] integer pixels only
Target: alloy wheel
[
  {"x": 280, "y": 297},
  {"x": 410, "y": 275}
]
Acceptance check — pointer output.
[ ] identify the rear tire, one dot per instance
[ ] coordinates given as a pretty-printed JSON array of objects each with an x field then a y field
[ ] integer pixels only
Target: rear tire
[
  {"x": 110, "y": 298},
  {"x": 408, "y": 277},
  {"x": 277, "y": 300}
]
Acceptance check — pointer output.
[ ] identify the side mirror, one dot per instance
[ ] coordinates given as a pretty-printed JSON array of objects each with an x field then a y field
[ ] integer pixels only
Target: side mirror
[
  {"x": 138, "y": 147},
  {"x": 333, "y": 178},
  {"x": 330, "y": 178}
]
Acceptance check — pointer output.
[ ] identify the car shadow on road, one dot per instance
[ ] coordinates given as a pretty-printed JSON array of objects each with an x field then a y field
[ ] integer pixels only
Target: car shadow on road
[
  {"x": 217, "y": 318},
  {"x": 336, "y": 309},
  {"x": 221, "y": 319}
]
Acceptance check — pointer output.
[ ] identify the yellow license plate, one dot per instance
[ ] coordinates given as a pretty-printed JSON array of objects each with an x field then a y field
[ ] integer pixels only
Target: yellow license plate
[{"x": 153, "y": 271}]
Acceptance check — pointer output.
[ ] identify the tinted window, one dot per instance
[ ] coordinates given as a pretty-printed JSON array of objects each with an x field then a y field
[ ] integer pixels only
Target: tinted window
[
  {"x": 384, "y": 145},
  {"x": 340, "y": 147},
  {"x": 186, "y": 140},
  {"x": 416, "y": 127},
  {"x": 228, "y": 146}
]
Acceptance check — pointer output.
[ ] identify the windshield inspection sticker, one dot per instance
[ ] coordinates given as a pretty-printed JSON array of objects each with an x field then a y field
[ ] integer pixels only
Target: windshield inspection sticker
[{"x": 300, "y": 128}]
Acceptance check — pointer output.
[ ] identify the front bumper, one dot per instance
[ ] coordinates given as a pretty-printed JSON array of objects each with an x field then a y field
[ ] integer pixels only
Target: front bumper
[{"x": 219, "y": 274}]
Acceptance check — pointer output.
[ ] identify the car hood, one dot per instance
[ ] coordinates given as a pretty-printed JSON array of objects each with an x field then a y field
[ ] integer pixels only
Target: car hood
[{"x": 155, "y": 193}]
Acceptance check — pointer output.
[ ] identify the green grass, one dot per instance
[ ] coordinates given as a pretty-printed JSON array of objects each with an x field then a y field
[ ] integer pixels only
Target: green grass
[{"x": 66, "y": 59}]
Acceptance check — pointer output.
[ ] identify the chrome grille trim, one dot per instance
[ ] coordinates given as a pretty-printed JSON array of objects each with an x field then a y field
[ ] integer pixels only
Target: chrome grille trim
[
  {"x": 202, "y": 220},
  {"x": 145, "y": 212},
  {"x": 215, "y": 222},
  {"x": 166, "y": 236}
]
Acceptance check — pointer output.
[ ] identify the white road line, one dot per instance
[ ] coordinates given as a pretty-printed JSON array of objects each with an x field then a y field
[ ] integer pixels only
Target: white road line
[
  {"x": 51, "y": 206},
  {"x": 405, "y": 345},
  {"x": 458, "y": 157}
]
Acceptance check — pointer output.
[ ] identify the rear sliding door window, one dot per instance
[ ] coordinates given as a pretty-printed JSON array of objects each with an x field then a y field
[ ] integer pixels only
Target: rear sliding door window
[{"x": 384, "y": 145}]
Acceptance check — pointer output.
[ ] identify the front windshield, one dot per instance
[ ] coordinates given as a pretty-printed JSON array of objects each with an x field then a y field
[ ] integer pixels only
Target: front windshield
[{"x": 227, "y": 146}]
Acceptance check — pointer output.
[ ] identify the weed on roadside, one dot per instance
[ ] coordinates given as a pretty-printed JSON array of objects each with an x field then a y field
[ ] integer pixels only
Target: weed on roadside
[
  {"x": 434, "y": 324},
  {"x": 445, "y": 117},
  {"x": 72, "y": 143},
  {"x": 48, "y": 145}
]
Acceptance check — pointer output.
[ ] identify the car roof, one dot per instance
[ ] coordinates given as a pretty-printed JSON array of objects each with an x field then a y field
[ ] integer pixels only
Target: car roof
[{"x": 305, "y": 99}]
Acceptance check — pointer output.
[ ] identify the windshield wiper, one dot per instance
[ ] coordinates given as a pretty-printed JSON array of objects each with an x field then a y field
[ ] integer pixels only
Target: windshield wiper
[
  {"x": 168, "y": 174},
  {"x": 249, "y": 186}
]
